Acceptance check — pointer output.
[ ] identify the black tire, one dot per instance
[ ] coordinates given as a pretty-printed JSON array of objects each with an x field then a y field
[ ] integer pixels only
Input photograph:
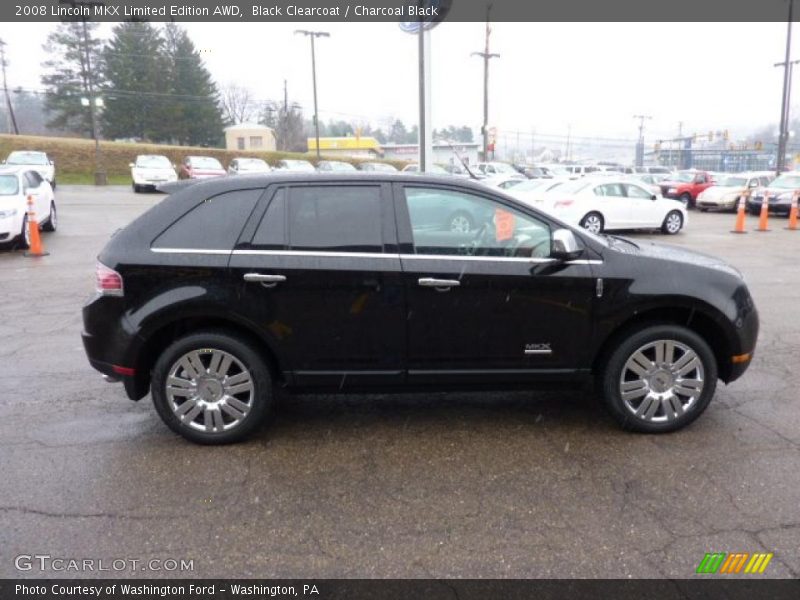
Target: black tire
[
  {"x": 588, "y": 219},
  {"x": 136, "y": 188},
  {"x": 23, "y": 234},
  {"x": 703, "y": 209},
  {"x": 611, "y": 373},
  {"x": 686, "y": 198},
  {"x": 666, "y": 226},
  {"x": 53, "y": 184},
  {"x": 460, "y": 219},
  {"x": 52, "y": 221},
  {"x": 262, "y": 394}
]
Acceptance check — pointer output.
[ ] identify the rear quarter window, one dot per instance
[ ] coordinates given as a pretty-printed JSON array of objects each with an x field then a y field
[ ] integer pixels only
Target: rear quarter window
[{"x": 214, "y": 224}]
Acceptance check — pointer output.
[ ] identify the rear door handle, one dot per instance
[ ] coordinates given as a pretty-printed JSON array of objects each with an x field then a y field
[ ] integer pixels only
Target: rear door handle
[
  {"x": 441, "y": 285},
  {"x": 265, "y": 280}
]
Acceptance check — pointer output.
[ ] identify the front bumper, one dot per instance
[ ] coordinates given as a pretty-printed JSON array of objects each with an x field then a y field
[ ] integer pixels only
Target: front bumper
[
  {"x": 778, "y": 207},
  {"x": 10, "y": 227}
]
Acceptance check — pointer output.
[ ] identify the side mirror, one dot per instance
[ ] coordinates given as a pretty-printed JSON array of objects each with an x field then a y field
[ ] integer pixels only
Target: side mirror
[{"x": 565, "y": 245}]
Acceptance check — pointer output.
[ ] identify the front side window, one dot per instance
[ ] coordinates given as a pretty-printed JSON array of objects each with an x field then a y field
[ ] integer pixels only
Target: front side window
[
  {"x": 335, "y": 218},
  {"x": 214, "y": 224},
  {"x": 447, "y": 222},
  {"x": 609, "y": 189}
]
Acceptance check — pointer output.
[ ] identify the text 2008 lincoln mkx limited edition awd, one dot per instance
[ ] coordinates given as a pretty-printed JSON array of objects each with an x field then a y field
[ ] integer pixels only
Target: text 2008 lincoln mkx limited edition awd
[{"x": 342, "y": 282}]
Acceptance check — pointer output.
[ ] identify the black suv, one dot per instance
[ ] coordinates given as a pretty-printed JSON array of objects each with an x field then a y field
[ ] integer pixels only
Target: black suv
[{"x": 389, "y": 282}]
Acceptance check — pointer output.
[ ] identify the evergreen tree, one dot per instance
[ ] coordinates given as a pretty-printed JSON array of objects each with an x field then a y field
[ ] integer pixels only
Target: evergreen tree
[
  {"x": 72, "y": 72},
  {"x": 195, "y": 117},
  {"x": 135, "y": 69}
]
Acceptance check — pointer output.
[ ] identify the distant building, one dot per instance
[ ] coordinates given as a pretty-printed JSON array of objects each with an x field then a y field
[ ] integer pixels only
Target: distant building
[
  {"x": 250, "y": 136},
  {"x": 443, "y": 154},
  {"x": 354, "y": 146}
]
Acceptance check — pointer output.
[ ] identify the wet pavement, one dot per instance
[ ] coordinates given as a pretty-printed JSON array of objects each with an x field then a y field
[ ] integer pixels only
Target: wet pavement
[{"x": 416, "y": 485}]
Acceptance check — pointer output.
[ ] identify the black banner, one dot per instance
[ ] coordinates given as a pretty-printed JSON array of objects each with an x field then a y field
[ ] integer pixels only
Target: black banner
[
  {"x": 398, "y": 10},
  {"x": 737, "y": 588}
]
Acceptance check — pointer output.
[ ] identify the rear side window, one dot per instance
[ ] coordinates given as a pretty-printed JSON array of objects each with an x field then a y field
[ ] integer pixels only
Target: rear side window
[
  {"x": 335, "y": 218},
  {"x": 214, "y": 224}
]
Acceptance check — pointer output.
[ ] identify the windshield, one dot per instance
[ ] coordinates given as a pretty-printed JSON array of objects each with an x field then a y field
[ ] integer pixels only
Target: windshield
[
  {"x": 380, "y": 167},
  {"x": 302, "y": 165},
  {"x": 9, "y": 185},
  {"x": 572, "y": 187},
  {"x": 558, "y": 171},
  {"x": 685, "y": 177},
  {"x": 252, "y": 163},
  {"x": 341, "y": 166},
  {"x": 153, "y": 162},
  {"x": 205, "y": 162},
  {"x": 733, "y": 182},
  {"x": 504, "y": 169},
  {"x": 527, "y": 186},
  {"x": 786, "y": 182},
  {"x": 27, "y": 158}
]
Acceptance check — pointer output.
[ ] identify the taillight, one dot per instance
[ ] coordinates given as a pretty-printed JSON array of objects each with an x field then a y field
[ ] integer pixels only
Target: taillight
[{"x": 108, "y": 281}]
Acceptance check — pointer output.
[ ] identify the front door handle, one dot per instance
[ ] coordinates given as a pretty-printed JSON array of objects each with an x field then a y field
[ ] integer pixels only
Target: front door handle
[
  {"x": 441, "y": 285},
  {"x": 265, "y": 280}
]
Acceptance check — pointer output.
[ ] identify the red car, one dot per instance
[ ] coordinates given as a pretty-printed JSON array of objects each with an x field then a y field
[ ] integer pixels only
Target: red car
[
  {"x": 686, "y": 186},
  {"x": 201, "y": 167}
]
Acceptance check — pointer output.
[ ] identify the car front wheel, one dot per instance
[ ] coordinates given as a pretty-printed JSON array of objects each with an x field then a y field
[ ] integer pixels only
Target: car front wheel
[
  {"x": 211, "y": 388},
  {"x": 686, "y": 199},
  {"x": 593, "y": 222},
  {"x": 673, "y": 223},
  {"x": 659, "y": 379},
  {"x": 52, "y": 220}
]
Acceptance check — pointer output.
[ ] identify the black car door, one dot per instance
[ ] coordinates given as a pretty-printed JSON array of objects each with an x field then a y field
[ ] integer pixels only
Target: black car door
[
  {"x": 320, "y": 276},
  {"x": 486, "y": 303}
]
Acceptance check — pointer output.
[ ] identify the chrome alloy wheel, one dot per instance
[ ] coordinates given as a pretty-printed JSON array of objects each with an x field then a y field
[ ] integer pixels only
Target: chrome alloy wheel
[
  {"x": 593, "y": 224},
  {"x": 460, "y": 224},
  {"x": 674, "y": 222},
  {"x": 210, "y": 390},
  {"x": 661, "y": 381}
]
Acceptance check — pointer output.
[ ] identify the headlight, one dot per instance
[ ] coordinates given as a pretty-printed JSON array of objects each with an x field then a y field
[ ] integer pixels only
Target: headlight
[
  {"x": 672, "y": 191},
  {"x": 785, "y": 196},
  {"x": 4, "y": 214}
]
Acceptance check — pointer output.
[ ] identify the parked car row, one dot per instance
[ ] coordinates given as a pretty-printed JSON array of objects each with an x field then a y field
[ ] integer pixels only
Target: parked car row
[{"x": 17, "y": 184}]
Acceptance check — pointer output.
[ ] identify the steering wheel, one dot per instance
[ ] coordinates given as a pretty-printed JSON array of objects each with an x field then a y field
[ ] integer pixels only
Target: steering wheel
[{"x": 479, "y": 239}]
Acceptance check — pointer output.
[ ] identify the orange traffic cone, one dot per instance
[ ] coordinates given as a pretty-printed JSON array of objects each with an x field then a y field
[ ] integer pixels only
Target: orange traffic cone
[
  {"x": 740, "y": 216},
  {"x": 764, "y": 216},
  {"x": 36, "y": 248},
  {"x": 793, "y": 213}
]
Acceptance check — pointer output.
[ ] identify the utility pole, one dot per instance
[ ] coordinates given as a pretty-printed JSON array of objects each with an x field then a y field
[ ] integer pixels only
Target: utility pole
[
  {"x": 313, "y": 35},
  {"x": 285, "y": 97},
  {"x": 569, "y": 134},
  {"x": 99, "y": 173},
  {"x": 640, "y": 143},
  {"x": 784, "y": 98},
  {"x": 486, "y": 55},
  {"x": 787, "y": 105},
  {"x": 5, "y": 87}
]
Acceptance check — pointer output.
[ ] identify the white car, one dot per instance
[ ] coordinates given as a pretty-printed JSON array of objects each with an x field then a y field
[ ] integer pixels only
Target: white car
[
  {"x": 497, "y": 169},
  {"x": 149, "y": 171},
  {"x": 534, "y": 191},
  {"x": 38, "y": 161},
  {"x": 730, "y": 188},
  {"x": 432, "y": 170},
  {"x": 16, "y": 184},
  {"x": 503, "y": 182},
  {"x": 603, "y": 204},
  {"x": 300, "y": 166},
  {"x": 248, "y": 166}
]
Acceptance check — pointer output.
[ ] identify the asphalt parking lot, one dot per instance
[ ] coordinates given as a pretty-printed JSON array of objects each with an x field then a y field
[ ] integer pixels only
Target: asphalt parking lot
[{"x": 430, "y": 485}]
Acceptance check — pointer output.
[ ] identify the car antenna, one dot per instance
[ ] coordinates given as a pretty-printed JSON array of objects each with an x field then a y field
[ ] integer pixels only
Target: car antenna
[{"x": 461, "y": 160}]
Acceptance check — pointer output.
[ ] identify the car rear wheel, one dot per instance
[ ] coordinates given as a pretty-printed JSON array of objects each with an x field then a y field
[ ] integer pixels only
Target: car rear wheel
[
  {"x": 52, "y": 220},
  {"x": 211, "y": 388},
  {"x": 659, "y": 379},
  {"x": 673, "y": 223},
  {"x": 593, "y": 222}
]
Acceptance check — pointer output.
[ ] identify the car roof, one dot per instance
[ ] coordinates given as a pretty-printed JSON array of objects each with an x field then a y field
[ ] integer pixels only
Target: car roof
[
  {"x": 224, "y": 184},
  {"x": 9, "y": 169}
]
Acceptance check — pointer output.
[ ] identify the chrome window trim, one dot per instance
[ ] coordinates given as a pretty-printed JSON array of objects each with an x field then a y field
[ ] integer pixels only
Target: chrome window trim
[{"x": 378, "y": 255}]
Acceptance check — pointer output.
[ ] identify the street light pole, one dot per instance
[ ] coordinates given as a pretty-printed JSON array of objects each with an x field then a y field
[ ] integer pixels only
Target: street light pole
[
  {"x": 5, "y": 87},
  {"x": 99, "y": 172},
  {"x": 486, "y": 55},
  {"x": 313, "y": 35},
  {"x": 784, "y": 98},
  {"x": 784, "y": 130},
  {"x": 640, "y": 143}
]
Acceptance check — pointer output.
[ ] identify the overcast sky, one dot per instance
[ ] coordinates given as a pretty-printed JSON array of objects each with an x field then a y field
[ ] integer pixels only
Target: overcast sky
[{"x": 594, "y": 77}]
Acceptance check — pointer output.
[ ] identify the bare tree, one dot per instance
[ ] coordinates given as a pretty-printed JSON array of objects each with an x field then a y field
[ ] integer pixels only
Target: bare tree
[{"x": 238, "y": 104}]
